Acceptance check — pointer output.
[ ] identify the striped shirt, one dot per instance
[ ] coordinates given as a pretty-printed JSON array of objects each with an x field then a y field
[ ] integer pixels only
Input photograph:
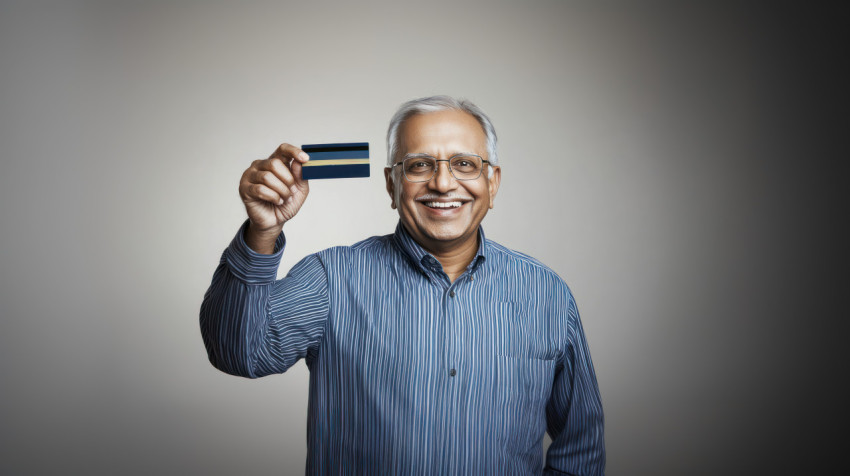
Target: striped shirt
[{"x": 411, "y": 373}]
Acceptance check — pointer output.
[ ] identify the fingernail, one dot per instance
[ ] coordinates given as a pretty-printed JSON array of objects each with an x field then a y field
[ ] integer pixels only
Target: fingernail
[
  {"x": 304, "y": 156},
  {"x": 280, "y": 201}
]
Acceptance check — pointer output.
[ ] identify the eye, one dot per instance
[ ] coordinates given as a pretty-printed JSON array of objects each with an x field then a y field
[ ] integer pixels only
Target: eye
[
  {"x": 418, "y": 166},
  {"x": 466, "y": 165}
]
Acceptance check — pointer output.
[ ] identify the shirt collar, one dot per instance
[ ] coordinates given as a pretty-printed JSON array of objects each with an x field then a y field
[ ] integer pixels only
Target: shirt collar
[{"x": 426, "y": 261}]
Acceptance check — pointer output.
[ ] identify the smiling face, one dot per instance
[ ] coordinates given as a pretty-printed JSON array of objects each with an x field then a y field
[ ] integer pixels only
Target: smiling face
[{"x": 442, "y": 214}]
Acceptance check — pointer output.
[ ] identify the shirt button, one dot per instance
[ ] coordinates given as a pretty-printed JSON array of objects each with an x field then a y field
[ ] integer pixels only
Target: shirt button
[
  {"x": 451, "y": 294},
  {"x": 452, "y": 372}
]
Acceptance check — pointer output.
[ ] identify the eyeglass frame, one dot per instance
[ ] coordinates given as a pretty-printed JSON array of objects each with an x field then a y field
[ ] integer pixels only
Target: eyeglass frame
[{"x": 437, "y": 166}]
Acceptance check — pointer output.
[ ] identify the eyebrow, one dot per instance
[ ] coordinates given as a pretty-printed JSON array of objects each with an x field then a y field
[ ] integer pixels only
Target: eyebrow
[{"x": 429, "y": 156}]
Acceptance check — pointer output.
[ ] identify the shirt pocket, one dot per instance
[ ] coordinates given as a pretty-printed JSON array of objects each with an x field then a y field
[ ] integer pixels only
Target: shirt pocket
[
  {"x": 521, "y": 388},
  {"x": 524, "y": 380}
]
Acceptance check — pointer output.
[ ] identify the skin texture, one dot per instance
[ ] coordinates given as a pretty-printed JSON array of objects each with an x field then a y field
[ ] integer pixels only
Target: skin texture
[
  {"x": 273, "y": 190},
  {"x": 451, "y": 235}
]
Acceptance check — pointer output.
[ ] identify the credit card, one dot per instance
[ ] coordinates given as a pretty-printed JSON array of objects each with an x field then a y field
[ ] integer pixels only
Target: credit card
[{"x": 336, "y": 160}]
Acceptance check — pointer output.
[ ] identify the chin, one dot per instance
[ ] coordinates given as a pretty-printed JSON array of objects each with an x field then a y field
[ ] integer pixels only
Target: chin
[{"x": 444, "y": 233}]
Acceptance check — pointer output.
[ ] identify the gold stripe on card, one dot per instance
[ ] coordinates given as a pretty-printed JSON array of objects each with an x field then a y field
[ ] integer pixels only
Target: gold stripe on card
[{"x": 320, "y": 162}]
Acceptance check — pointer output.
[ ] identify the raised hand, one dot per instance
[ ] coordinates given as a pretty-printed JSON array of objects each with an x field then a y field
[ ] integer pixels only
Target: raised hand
[{"x": 273, "y": 191}]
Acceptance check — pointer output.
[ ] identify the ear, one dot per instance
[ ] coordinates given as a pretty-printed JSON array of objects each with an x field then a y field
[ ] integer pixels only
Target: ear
[
  {"x": 388, "y": 176},
  {"x": 494, "y": 182}
]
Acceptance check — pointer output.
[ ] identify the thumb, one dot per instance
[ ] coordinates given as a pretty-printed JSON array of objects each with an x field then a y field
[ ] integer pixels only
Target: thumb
[{"x": 297, "y": 174}]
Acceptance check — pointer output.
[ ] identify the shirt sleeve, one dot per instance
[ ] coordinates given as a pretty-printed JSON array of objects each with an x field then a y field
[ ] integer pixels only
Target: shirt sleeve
[
  {"x": 253, "y": 325},
  {"x": 574, "y": 412}
]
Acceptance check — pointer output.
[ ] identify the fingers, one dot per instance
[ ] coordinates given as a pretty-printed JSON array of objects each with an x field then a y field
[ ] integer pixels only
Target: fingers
[
  {"x": 289, "y": 151},
  {"x": 264, "y": 193},
  {"x": 286, "y": 162},
  {"x": 250, "y": 190},
  {"x": 296, "y": 169},
  {"x": 275, "y": 179},
  {"x": 278, "y": 181},
  {"x": 277, "y": 168}
]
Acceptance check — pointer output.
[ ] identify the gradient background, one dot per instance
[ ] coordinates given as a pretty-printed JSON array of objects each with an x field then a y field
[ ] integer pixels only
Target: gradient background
[{"x": 672, "y": 163}]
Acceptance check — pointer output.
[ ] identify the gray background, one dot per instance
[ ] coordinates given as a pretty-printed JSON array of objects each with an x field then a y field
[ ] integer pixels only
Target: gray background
[{"x": 671, "y": 163}]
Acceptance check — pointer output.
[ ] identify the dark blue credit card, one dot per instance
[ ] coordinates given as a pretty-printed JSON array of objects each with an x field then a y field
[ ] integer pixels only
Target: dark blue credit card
[{"x": 336, "y": 160}]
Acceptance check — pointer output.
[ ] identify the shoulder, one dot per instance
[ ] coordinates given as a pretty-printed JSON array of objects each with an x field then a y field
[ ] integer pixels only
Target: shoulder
[
  {"x": 525, "y": 270},
  {"x": 372, "y": 248},
  {"x": 506, "y": 258},
  {"x": 527, "y": 280}
]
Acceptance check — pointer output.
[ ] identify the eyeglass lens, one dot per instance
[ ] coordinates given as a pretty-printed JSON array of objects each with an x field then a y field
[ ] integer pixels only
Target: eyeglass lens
[{"x": 463, "y": 167}]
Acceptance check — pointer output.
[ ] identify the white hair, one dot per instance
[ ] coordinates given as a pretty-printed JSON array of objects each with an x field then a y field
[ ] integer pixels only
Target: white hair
[{"x": 434, "y": 104}]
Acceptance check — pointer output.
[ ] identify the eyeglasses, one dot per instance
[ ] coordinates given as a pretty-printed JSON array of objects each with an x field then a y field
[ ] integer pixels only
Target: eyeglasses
[{"x": 423, "y": 168}]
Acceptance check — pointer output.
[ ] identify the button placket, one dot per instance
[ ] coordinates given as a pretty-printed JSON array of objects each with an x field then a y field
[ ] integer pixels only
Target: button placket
[{"x": 452, "y": 327}]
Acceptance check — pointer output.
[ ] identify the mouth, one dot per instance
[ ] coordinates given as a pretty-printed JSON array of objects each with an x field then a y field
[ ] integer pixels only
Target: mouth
[{"x": 443, "y": 205}]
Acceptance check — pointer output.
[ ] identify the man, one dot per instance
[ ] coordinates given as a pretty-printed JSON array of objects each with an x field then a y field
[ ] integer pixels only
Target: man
[{"x": 431, "y": 350}]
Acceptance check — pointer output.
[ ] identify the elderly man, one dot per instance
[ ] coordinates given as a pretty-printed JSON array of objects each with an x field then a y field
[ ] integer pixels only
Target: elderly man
[{"x": 432, "y": 350}]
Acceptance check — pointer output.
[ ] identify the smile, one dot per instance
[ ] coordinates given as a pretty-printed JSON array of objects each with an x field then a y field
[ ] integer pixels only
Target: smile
[{"x": 442, "y": 204}]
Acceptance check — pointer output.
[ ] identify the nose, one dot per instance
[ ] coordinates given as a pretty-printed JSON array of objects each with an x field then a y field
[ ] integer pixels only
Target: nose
[{"x": 443, "y": 181}]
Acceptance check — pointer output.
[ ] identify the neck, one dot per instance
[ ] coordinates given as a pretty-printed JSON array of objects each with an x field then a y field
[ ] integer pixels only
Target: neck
[{"x": 454, "y": 257}]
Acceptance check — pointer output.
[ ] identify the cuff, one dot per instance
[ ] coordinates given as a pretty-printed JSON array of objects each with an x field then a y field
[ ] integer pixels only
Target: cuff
[{"x": 248, "y": 265}]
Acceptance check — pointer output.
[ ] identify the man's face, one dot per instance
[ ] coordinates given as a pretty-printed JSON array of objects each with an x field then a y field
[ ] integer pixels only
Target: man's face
[{"x": 442, "y": 135}]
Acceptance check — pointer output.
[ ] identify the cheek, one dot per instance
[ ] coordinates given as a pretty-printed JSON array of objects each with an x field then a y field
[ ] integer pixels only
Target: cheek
[
  {"x": 399, "y": 194},
  {"x": 405, "y": 193}
]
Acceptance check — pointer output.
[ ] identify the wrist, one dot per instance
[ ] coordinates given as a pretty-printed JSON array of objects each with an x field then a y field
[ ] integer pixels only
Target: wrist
[
  {"x": 262, "y": 240},
  {"x": 250, "y": 265}
]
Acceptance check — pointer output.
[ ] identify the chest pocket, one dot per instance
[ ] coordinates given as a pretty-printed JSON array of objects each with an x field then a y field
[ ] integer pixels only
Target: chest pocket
[
  {"x": 523, "y": 383},
  {"x": 521, "y": 369}
]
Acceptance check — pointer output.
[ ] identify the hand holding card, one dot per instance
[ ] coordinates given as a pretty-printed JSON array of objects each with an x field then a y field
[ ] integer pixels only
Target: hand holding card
[
  {"x": 273, "y": 192},
  {"x": 274, "y": 189},
  {"x": 343, "y": 160}
]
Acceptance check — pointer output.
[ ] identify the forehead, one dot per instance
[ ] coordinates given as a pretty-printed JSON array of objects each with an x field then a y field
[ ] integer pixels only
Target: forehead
[{"x": 450, "y": 131}]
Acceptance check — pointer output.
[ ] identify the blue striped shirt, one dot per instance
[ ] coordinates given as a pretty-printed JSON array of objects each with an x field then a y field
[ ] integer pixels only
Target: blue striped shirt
[{"x": 409, "y": 372}]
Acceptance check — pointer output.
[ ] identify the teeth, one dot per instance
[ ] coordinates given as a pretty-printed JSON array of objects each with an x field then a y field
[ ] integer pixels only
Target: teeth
[{"x": 443, "y": 204}]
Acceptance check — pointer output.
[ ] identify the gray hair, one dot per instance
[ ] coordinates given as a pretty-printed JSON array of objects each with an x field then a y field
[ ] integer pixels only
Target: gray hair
[{"x": 434, "y": 104}]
